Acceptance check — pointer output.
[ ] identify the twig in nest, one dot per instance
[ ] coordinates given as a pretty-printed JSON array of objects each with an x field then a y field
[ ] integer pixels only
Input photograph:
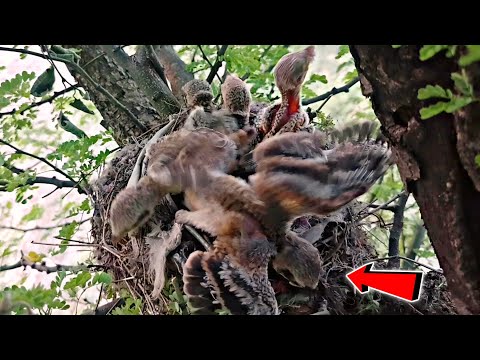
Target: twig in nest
[
  {"x": 199, "y": 237},
  {"x": 439, "y": 271}
]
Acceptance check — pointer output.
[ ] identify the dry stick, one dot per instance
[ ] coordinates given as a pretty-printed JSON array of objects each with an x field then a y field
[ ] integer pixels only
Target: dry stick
[
  {"x": 19, "y": 151},
  {"x": 396, "y": 231},
  {"x": 44, "y": 227},
  {"x": 87, "y": 77},
  {"x": 137, "y": 169},
  {"x": 440, "y": 271},
  {"x": 381, "y": 207},
  {"x": 66, "y": 245},
  {"x": 197, "y": 236}
]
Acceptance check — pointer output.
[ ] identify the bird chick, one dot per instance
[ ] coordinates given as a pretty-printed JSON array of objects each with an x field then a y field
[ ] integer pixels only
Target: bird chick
[
  {"x": 235, "y": 271},
  {"x": 289, "y": 73},
  {"x": 133, "y": 206},
  {"x": 198, "y": 93},
  {"x": 236, "y": 98},
  {"x": 206, "y": 148},
  {"x": 235, "y": 112},
  {"x": 296, "y": 177},
  {"x": 298, "y": 261}
]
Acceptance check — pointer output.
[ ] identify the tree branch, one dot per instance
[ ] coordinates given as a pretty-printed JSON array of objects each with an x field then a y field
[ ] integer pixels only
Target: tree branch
[
  {"x": 19, "y": 151},
  {"x": 87, "y": 77},
  {"x": 334, "y": 91},
  {"x": 420, "y": 233},
  {"x": 48, "y": 269},
  {"x": 396, "y": 231},
  {"x": 175, "y": 69},
  {"x": 38, "y": 103},
  {"x": 40, "y": 179},
  {"x": 217, "y": 65},
  {"x": 44, "y": 227}
]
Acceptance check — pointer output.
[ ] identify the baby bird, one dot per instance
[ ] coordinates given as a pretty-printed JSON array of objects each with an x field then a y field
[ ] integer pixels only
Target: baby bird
[
  {"x": 198, "y": 93},
  {"x": 296, "y": 177},
  {"x": 289, "y": 74},
  {"x": 235, "y": 271},
  {"x": 234, "y": 114},
  {"x": 206, "y": 148}
]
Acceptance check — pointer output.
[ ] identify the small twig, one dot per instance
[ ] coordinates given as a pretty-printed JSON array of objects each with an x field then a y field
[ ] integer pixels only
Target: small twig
[
  {"x": 218, "y": 64},
  {"x": 44, "y": 227},
  {"x": 440, "y": 271},
  {"x": 99, "y": 298},
  {"x": 66, "y": 245},
  {"x": 19, "y": 151},
  {"x": 396, "y": 231},
  {"x": 199, "y": 237},
  {"x": 388, "y": 208},
  {"x": 334, "y": 91},
  {"x": 382, "y": 206}
]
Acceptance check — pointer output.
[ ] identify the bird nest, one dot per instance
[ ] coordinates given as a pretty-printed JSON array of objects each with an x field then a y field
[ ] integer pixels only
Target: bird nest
[{"x": 150, "y": 264}]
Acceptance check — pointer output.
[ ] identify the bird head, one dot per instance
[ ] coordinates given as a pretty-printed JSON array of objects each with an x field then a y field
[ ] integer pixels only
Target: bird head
[
  {"x": 292, "y": 68},
  {"x": 236, "y": 96},
  {"x": 298, "y": 261},
  {"x": 197, "y": 92},
  {"x": 132, "y": 208}
]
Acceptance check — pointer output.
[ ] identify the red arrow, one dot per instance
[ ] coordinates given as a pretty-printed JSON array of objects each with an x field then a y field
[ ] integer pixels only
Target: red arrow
[{"x": 405, "y": 285}]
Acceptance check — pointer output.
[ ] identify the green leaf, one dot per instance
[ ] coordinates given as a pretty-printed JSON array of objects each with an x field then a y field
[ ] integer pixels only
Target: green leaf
[
  {"x": 432, "y": 110},
  {"x": 67, "y": 125},
  {"x": 457, "y": 103},
  {"x": 35, "y": 213},
  {"x": 44, "y": 83},
  {"x": 472, "y": 55},
  {"x": 396, "y": 46},
  {"x": 432, "y": 92},
  {"x": 68, "y": 230},
  {"x": 477, "y": 160},
  {"x": 462, "y": 83},
  {"x": 315, "y": 78},
  {"x": 343, "y": 50},
  {"x": 428, "y": 51},
  {"x": 350, "y": 76},
  {"x": 79, "y": 280},
  {"x": 79, "y": 105},
  {"x": 103, "y": 278},
  {"x": 452, "y": 49}
]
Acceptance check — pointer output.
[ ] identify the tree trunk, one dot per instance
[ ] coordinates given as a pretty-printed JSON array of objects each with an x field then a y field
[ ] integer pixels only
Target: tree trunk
[
  {"x": 434, "y": 157},
  {"x": 121, "y": 85}
]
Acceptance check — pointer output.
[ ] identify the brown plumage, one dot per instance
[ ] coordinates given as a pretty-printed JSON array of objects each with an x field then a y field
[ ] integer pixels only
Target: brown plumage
[
  {"x": 296, "y": 177},
  {"x": 198, "y": 93},
  {"x": 289, "y": 74},
  {"x": 235, "y": 271},
  {"x": 235, "y": 112},
  {"x": 167, "y": 160}
]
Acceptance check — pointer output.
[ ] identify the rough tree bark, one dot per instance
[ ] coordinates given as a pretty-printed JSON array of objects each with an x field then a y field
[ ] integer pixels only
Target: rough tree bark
[
  {"x": 118, "y": 82},
  {"x": 434, "y": 156}
]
